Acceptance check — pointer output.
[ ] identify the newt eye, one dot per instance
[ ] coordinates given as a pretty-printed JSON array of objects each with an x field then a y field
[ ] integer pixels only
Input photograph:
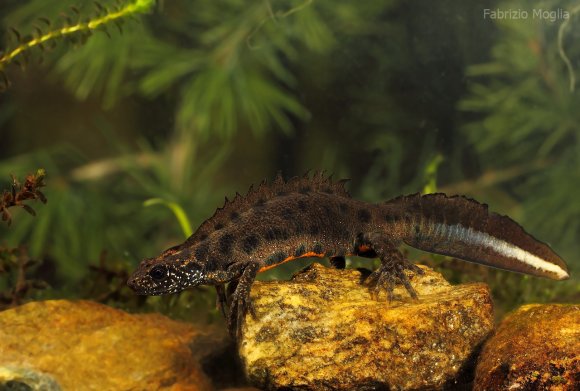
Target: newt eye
[{"x": 158, "y": 273}]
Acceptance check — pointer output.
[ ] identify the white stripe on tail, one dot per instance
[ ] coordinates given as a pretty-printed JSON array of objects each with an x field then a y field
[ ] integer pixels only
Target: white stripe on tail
[{"x": 472, "y": 237}]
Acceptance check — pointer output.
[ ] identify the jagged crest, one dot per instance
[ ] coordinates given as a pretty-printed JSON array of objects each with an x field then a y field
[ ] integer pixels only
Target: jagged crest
[
  {"x": 441, "y": 207},
  {"x": 458, "y": 209},
  {"x": 318, "y": 182}
]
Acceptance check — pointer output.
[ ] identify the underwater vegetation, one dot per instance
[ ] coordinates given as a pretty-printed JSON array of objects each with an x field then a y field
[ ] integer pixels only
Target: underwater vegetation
[
  {"x": 19, "y": 193},
  {"x": 182, "y": 103},
  {"x": 15, "y": 262},
  {"x": 74, "y": 29}
]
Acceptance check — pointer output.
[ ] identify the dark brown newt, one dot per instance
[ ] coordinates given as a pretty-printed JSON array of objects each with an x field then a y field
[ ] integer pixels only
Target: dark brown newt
[{"x": 315, "y": 217}]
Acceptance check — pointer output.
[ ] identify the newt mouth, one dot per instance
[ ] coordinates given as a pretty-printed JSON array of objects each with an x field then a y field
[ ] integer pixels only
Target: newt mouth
[
  {"x": 131, "y": 284},
  {"x": 136, "y": 287}
]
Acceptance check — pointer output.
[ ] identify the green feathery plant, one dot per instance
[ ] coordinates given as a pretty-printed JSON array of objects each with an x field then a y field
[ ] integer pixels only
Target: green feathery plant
[{"x": 104, "y": 16}]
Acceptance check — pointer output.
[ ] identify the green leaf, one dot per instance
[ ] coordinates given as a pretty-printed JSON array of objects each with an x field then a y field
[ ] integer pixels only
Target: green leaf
[{"x": 177, "y": 211}]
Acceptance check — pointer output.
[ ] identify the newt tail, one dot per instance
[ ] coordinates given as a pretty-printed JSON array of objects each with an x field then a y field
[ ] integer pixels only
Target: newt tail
[{"x": 316, "y": 217}]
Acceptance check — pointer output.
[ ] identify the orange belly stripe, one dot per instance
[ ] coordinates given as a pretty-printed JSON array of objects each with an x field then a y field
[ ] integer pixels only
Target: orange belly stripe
[{"x": 306, "y": 255}]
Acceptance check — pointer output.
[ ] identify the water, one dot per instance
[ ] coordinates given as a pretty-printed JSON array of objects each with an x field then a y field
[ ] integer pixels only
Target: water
[{"x": 186, "y": 102}]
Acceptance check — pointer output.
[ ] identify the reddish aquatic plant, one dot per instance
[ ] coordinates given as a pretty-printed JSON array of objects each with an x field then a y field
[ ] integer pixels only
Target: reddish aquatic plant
[
  {"x": 21, "y": 192},
  {"x": 15, "y": 265}
]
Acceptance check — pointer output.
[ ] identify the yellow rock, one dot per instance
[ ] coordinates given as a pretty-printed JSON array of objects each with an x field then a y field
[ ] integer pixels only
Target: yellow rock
[
  {"x": 82, "y": 345},
  {"x": 535, "y": 347},
  {"x": 322, "y": 330}
]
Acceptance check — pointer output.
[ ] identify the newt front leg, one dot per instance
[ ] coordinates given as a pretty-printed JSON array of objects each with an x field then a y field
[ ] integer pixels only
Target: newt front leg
[
  {"x": 221, "y": 299},
  {"x": 241, "y": 303}
]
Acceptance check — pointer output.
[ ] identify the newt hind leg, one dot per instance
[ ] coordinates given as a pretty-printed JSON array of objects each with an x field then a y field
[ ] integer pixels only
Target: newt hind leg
[{"x": 392, "y": 269}]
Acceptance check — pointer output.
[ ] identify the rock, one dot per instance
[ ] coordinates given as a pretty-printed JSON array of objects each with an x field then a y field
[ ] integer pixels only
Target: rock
[
  {"x": 322, "y": 330},
  {"x": 537, "y": 347},
  {"x": 54, "y": 345},
  {"x": 241, "y": 389},
  {"x": 18, "y": 378}
]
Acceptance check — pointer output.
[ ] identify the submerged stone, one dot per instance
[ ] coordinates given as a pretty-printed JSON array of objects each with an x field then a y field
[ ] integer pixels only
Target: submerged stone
[
  {"x": 322, "y": 330},
  {"x": 24, "y": 379},
  {"x": 82, "y": 345},
  {"x": 535, "y": 347}
]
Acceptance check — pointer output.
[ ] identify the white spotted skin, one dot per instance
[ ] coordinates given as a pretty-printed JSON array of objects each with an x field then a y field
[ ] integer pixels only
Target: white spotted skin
[{"x": 176, "y": 276}]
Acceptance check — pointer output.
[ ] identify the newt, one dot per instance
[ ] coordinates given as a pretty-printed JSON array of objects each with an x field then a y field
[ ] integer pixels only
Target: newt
[{"x": 316, "y": 217}]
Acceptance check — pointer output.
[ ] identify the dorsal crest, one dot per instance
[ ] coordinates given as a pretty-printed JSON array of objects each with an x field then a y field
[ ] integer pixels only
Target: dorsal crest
[{"x": 265, "y": 191}]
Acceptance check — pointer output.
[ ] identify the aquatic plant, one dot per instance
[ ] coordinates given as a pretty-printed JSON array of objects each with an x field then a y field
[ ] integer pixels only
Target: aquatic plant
[
  {"x": 76, "y": 25},
  {"x": 16, "y": 285},
  {"x": 21, "y": 192},
  {"x": 107, "y": 280},
  {"x": 178, "y": 212},
  {"x": 227, "y": 67},
  {"x": 15, "y": 264}
]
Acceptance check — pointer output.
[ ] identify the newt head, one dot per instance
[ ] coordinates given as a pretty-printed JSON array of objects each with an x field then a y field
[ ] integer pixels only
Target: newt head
[{"x": 171, "y": 272}]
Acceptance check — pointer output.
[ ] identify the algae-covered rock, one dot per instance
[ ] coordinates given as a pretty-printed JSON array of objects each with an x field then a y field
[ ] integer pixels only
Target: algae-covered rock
[
  {"x": 19, "y": 378},
  {"x": 53, "y": 345},
  {"x": 322, "y": 330},
  {"x": 537, "y": 347}
]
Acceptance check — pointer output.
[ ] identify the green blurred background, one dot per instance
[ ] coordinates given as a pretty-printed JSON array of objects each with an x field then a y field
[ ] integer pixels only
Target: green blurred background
[{"x": 192, "y": 100}]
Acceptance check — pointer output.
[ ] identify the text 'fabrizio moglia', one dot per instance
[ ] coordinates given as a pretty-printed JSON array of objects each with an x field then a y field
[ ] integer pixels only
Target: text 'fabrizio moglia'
[{"x": 521, "y": 14}]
